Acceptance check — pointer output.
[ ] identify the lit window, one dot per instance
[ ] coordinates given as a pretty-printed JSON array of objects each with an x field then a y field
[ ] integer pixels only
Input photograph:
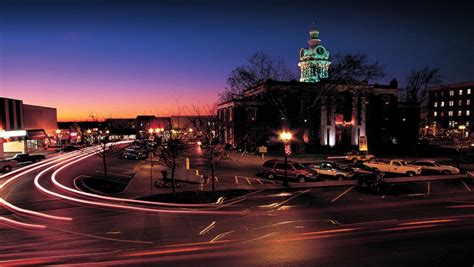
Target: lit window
[
  {"x": 450, "y": 113},
  {"x": 460, "y": 91},
  {"x": 468, "y": 91},
  {"x": 459, "y": 112},
  {"x": 442, "y": 103},
  {"x": 435, "y": 114},
  {"x": 468, "y": 112},
  {"x": 468, "y": 102},
  {"x": 451, "y": 92},
  {"x": 451, "y": 103},
  {"x": 460, "y": 103},
  {"x": 435, "y": 104}
]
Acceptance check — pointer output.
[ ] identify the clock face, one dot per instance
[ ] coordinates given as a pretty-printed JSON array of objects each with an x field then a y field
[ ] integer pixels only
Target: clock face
[{"x": 320, "y": 50}]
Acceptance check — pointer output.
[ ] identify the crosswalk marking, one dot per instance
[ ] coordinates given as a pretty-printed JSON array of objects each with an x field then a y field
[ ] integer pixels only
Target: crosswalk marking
[
  {"x": 248, "y": 181},
  {"x": 236, "y": 180},
  {"x": 259, "y": 181}
]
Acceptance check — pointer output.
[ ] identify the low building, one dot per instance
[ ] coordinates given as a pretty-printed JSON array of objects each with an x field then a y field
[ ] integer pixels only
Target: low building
[
  {"x": 25, "y": 128},
  {"x": 450, "y": 106}
]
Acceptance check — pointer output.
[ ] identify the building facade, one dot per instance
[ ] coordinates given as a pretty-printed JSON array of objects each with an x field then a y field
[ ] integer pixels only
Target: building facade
[
  {"x": 338, "y": 118},
  {"x": 25, "y": 128},
  {"x": 450, "y": 106}
]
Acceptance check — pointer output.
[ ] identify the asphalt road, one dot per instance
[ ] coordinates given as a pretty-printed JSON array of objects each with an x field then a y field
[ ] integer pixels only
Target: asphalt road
[{"x": 404, "y": 225}]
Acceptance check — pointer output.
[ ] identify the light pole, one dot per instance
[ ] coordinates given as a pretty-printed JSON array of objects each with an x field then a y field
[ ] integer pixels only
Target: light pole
[
  {"x": 462, "y": 128},
  {"x": 286, "y": 138}
]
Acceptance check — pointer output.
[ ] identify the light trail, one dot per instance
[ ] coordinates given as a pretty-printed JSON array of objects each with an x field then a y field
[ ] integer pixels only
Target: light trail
[
  {"x": 21, "y": 224},
  {"x": 16, "y": 209},
  {"x": 118, "y": 206},
  {"x": 115, "y": 199}
]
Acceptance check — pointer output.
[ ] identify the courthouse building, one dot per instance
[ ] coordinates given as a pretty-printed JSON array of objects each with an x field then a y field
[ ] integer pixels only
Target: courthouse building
[{"x": 321, "y": 114}]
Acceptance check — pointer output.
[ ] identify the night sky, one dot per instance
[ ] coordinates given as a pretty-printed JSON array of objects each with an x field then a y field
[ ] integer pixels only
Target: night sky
[{"x": 123, "y": 58}]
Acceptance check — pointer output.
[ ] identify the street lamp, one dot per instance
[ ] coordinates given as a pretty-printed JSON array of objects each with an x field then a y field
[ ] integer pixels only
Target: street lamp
[
  {"x": 462, "y": 128},
  {"x": 285, "y": 137}
]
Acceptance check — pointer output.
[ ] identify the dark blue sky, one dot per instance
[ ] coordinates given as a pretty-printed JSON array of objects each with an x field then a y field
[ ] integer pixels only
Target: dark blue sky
[{"x": 159, "y": 53}]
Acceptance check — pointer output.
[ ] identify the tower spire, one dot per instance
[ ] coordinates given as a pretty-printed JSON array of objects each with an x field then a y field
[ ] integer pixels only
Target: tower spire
[{"x": 314, "y": 60}]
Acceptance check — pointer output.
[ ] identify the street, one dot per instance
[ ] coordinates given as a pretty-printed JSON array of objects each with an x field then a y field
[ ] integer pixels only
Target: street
[{"x": 327, "y": 226}]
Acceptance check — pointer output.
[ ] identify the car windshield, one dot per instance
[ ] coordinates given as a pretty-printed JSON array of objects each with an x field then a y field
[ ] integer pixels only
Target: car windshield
[
  {"x": 403, "y": 163},
  {"x": 298, "y": 166}
]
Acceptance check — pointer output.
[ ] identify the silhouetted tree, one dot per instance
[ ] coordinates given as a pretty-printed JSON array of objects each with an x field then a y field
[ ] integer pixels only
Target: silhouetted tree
[
  {"x": 104, "y": 150},
  {"x": 213, "y": 151},
  {"x": 418, "y": 82},
  {"x": 169, "y": 152},
  {"x": 259, "y": 68}
]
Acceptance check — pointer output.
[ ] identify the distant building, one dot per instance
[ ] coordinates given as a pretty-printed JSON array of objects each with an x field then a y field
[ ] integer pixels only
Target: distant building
[
  {"x": 25, "y": 128},
  {"x": 121, "y": 126},
  {"x": 451, "y": 105}
]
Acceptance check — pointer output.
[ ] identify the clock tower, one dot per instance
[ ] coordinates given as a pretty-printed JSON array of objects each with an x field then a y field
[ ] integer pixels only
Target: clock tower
[{"x": 314, "y": 60}]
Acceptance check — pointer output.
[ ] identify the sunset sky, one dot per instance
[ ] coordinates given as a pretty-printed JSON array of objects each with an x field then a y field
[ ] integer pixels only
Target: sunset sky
[{"x": 124, "y": 58}]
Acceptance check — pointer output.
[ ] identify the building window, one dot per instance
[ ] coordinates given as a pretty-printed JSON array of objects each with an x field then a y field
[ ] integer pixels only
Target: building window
[
  {"x": 468, "y": 102},
  {"x": 451, "y": 92},
  {"x": 442, "y": 114},
  {"x": 468, "y": 112},
  {"x": 459, "y": 112},
  {"x": 451, "y": 103},
  {"x": 442, "y": 93},
  {"x": 435, "y": 104},
  {"x": 435, "y": 114},
  {"x": 460, "y": 103},
  {"x": 442, "y": 103},
  {"x": 450, "y": 113},
  {"x": 468, "y": 91},
  {"x": 436, "y": 94},
  {"x": 460, "y": 91}
]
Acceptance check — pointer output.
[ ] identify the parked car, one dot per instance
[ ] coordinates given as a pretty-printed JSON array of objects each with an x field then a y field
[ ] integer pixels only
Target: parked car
[
  {"x": 355, "y": 156},
  {"x": 276, "y": 168},
  {"x": 395, "y": 166},
  {"x": 7, "y": 165},
  {"x": 331, "y": 169},
  {"x": 25, "y": 157},
  {"x": 361, "y": 168},
  {"x": 132, "y": 154},
  {"x": 431, "y": 166},
  {"x": 369, "y": 180}
]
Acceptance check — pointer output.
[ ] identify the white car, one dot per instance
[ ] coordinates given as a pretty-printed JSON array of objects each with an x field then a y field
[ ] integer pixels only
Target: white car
[{"x": 434, "y": 167}]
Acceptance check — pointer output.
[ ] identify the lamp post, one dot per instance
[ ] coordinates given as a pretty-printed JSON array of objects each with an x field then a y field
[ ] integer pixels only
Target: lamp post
[
  {"x": 286, "y": 138},
  {"x": 462, "y": 128}
]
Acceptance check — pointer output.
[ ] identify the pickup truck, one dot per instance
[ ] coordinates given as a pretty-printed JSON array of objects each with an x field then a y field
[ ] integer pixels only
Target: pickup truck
[
  {"x": 395, "y": 166},
  {"x": 331, "y": 169},
  {"x": 21, "y": 158},
  {"x": 355, "y": 156},
  {"x": 7, "y": 165}
]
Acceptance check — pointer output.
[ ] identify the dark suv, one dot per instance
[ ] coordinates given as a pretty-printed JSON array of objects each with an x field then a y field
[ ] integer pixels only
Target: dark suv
[{"x": 276, "y": 168}]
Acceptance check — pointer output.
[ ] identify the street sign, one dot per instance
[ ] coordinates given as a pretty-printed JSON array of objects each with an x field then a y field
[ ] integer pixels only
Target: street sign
[
  {"x": 262, "y": 149},
  {"x": 363, "y": 143}
]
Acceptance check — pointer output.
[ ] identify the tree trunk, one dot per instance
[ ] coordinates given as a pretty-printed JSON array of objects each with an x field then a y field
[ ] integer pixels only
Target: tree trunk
[
  {"x": 213, "y": 178},
  {"x": 104, "y": 162},
  {"x": 173, "y": 185}
]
